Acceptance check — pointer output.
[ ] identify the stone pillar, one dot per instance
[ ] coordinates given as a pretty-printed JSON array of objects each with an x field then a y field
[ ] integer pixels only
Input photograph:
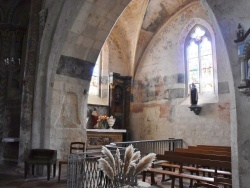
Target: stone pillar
[{"x": 29, "y": 79}]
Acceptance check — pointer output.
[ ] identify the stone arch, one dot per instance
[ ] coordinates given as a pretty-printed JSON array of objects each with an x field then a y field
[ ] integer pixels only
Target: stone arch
[{"x": 80, "y": 31}]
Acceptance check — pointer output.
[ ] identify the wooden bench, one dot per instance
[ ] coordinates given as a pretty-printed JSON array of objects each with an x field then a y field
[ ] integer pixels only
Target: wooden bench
[
  {"x": 196, "y": 169},
  {"x": 213, "y": 148},
  {"x": 192, "y": 170},
  {"x": 209, "y": 152},
  {"x": 180, "y": 161}
]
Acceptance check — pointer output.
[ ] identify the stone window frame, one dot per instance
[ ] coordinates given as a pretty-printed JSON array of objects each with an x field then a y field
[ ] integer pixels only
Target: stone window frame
[
  {"x": 187, "y": 41},
  {"x": 182, "y": 67}
]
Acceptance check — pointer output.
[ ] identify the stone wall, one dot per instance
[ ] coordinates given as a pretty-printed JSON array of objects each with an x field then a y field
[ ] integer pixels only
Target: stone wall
[
  {"x": 74, "y": 34},
  {"x": 228, "y": 14},
  {"x": 159, "y": 88}
]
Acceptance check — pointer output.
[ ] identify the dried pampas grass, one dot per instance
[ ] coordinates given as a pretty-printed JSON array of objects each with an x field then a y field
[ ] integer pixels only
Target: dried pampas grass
[
  {"x": 114, "y": 166},
  {"x": 128, "y": 158},
  {"x": 118, "y": 161},
  {"x": 109, "y": 157},
  {"x": 106, "y": 168},
  {"x": 136, "y": 156},
  {"x": 145, "y": 163}
]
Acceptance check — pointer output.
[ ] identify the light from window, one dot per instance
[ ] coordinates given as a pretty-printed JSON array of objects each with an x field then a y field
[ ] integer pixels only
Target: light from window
[
  {"x": 199, "y": 61},
  {"x": 94, "y": 83}
]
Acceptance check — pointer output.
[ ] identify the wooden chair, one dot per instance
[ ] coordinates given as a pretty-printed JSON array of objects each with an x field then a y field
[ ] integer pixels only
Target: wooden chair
[
  {"x": 41, "y": 157},
  {"x": 75, "y": 147}
]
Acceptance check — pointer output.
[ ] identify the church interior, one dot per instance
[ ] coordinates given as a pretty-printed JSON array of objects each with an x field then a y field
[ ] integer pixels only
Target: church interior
[{"x": 67, "y": 66}]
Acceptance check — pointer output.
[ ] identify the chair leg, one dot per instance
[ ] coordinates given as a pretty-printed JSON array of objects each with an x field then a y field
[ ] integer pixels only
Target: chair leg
[
  {"x": 25, "y": 170},
  {"x": 48, "y": 171},
  {"x": 180, "y": 182},
  {"x": 59, "y": 171},
  {"x": 143, "y": 176},
  {"x": 173, "y": 182},
  {"x": 33, "y": 167},
  {"x": 153, "y": 182},
  {"x": 54, "y": 168}
]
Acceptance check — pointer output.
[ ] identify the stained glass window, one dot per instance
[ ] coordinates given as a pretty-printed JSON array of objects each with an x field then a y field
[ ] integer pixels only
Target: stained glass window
[
  {"x": 199, "y": 60},
  {"x": 94, "y": 83}
]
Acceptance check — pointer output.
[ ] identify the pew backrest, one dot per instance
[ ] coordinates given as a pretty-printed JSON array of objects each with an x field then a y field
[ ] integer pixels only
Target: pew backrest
[
  {"x": 224, "y": 153},
  {"x": 214, "y": 148},
  {"x": 196, "y": 161},
  {"x": 199, "y": 155}
]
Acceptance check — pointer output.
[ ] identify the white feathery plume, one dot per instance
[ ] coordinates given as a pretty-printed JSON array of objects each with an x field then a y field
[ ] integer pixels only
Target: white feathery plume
[
  {"x": 136, "y": 156},
  {"x": 128, "y": 158},
  {"x": 109, "y": 157},
  {"x": 106, "y": 168},
  {"x": 118, "y": 160},
  {"x": 145, "y": 163}
]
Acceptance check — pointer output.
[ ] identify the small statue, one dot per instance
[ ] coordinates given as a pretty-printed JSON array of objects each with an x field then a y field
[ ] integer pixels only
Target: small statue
[
  {"x": 94, "y": 116},
  {"x": 240, "y": 32},
  {"x": 193, "y": 94}
]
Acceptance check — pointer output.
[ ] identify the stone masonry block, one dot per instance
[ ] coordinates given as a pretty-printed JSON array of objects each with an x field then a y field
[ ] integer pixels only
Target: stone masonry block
[
  {"x": 92, "y": 56},
  {"x": 78, "y": 27},
  {"x": 90, "y": 31},
  {"x": 57, "y": 97},
  {"x": 101, "y": 34},
  {"x": 75, "y": 88},
  {"x": 87, "y": 42},
  {"x": 58, "y": 85},
  {"x": 98, "y": 44},
  {"x": 223, "y": 87},
  {"x": 118, "y": 9}
]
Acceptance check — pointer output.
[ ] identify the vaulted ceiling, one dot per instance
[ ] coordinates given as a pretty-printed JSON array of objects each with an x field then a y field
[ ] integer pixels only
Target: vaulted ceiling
[{"x": 139, "y": 22}]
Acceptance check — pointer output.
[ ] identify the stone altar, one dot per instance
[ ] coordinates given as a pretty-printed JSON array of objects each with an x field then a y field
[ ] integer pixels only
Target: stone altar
[{"x": 96, "y": 138}]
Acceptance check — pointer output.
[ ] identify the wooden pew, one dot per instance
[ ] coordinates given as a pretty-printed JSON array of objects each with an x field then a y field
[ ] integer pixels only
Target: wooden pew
[
  {"x": 214, "y": 148},
  {"x": 196, "y": 169},
  {"x": 224, "y": 153},
  {"x": 200, "y": 155},
  {"x": 187, "y": 160}
]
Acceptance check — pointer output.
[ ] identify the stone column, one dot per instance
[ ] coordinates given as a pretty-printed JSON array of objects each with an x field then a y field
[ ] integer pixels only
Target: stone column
[{"x": 29, "y": 79}]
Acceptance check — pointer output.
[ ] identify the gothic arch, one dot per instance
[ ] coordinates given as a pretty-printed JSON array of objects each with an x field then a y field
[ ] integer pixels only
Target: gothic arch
[
  {"x": 72, "y": 26},
  {"x": 182, "y": 44}
]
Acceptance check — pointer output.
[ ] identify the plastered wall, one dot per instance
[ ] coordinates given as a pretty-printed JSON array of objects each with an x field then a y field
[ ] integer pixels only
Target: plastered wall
[{"x": 159, "y": 89}]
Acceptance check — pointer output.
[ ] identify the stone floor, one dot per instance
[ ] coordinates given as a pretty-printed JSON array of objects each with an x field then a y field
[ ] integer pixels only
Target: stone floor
[{"x": 12, "y": 176}]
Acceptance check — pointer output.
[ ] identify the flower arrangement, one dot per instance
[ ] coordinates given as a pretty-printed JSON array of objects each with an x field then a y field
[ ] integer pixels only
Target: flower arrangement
[
  {"x": 117, "y": 170},
  {"x": 103, "y": 121},
  {"x": 103, "y": 118}
]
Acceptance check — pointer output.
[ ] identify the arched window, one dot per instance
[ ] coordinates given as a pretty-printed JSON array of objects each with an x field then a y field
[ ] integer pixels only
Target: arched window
[
  {"x": 94, "y": 83},
  {"x": 199, "y": 60},
  {"x": 98, "y": 89}
]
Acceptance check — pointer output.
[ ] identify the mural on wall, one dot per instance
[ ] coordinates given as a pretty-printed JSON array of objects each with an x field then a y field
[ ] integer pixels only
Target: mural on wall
[
  {"x": 117, "y": 60},
  {"x": 156, "y": 99}
]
